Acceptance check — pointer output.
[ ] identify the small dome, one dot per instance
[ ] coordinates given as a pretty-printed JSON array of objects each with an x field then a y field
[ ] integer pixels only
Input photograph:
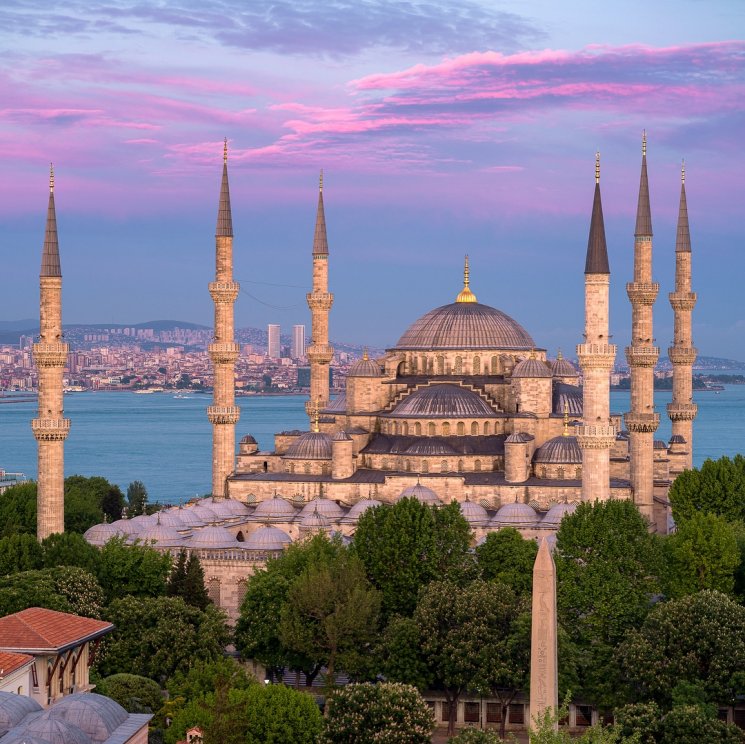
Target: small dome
[
  {"x": 274, "y": 509},
  {"x": 330, "y": 509},
  {"x": 659, "y": 445},
  {"x": 162, "y": 536},
  {"x": 212, "y": 537},
  {"x": 474, "y": 513},
  {"x": 171, "y": 519},
  {"x": 52, "y": 730},
  {"x": 225, "y": 508},
  {"x": 126, "y": 526},
  {"x": 519, "y": 437},
  {"x": 188, "y": 517},
  {"x": 267, "y": 538},
  {"x": 314, "y": 522},
  {"x": 95, "y": 715},
  {"x": 515, "y": 515},
  {"x": 365, "y": 367},
  {"x": 443, "y": 400},
  {"x": 14, "y": 708},
  {"x": 561, "y": 450},
  {"x": 341, "y": 436},
  {"x": 313, "y": 445},
  {"x": 421, "y": 493},
  {"x": 560, "y": 367},
  {"x": 248, "y": 439},
  {"x": 677, "y": 439},
  {"x": 531, "y": 367},
  {"x": 204, "y": 513},
  {"x": 556, "y": 513},
  {"x": 100, "y": 534},
  {"x": 143, "y": 520},
  {"x": 359, "y": 509}
]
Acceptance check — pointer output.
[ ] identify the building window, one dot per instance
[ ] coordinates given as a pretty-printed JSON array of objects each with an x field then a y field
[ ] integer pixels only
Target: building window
[
  {"x": 446, "y": 429},
  {"x": 240, "y": 537},
  {"x": 440, "y": 365},
  {"x": 543, "y": 473},
  {"x": 242, "y": 588},
  {"x": 213, "y": 591},
  {"x": 493, "y": 713},
  {"x": 413, "y": 365},
  {"x": 583, "y": 715},
  {"x": 384, "y": 464},
  {"x": 460, "y": 466},
  {"x": 431, "y": 429},
  {"x": 477, "y": 365},
  {"x": 425, "y": 466},
  {"x": 486, "y": 428},
  {"x": 424, "y": 365},
  {"x": 405, "y": 428},
  {"x": 418, "y": 429},
  {"x": 306, "y": 468},
  {"x": 578, "y": 473},
  {"x": 516, "y": 713},
  {"x": 738, "y": 718},
  {"x": 560, "y": 473},
  {"x": 494, "y": 365},
  {"x": 444, "y": 466},
  {"x": 458, "y": 367},
  {"x": 461, "y": 429},
  {"x": 471, "y": 712},
  {"x": 407, "y": 465},
  {"x": 474, "y": 429},
  {"x": 477, "y": 465},
  {"x": 445, "y": 710}
]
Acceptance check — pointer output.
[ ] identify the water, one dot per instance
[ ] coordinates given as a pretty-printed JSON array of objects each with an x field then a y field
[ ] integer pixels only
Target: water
[{"x": 166, "y": 442}]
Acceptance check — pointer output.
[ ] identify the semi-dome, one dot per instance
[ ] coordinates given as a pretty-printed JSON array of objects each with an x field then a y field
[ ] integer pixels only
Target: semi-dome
[
  {"x": 341, "y": 436},
  {"x": 465, "y": 325},
  {"x": 100, "y": 534},
  {"x": 531, "y": 367},
  {"x": 519, "y": 437},
  {"x": 556, "y": 513},
  {"x": 359, "y": 509},
  {"x": 267, "y": 538},
  {"x": 313, "y": 445},
  {"x": 561, "y": 450},
  {"x": 515, "y": 515},
  {"x": 567, "y": 399},
  {"x": 365, "y": 367},
  {"x": 431, "y": 447},
  {"x": 473, "y": 513},
  {"x": 274, "y": 509},
  {"x": 95, "y": 715},
  {"x": 443, "y": 400},
  {"x": 212, "y": 538},
  {"x": 330, "y": 509},
  {"x": 421, "y": 493}
]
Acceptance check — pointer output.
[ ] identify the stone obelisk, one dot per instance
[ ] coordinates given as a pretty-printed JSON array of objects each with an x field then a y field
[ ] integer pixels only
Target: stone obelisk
[{"x": 544, "y": 682}]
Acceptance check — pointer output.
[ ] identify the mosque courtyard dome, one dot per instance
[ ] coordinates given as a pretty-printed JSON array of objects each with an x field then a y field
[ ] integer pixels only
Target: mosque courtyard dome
[
  {"x": 267, "y": 538},
  {"x": 515, "y": 515},
  {"x": 275, "y": 508},
  {"x": 212, "y": 537},
  {"x": 422, "y": 494}
]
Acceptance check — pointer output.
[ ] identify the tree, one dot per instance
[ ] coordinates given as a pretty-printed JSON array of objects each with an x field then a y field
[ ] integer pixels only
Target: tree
[
  {"x": 20, "y": 552},
  {"x": 204, "y": 676},
  {"x": 136, "y": 499},
  {"x": 545, "y": 730},
  {"x": 88, "y": 500},
  {"x": 177, "y": 577},
  {"x": 18, "y": 510},
  {"x": 717, "y": 487},
  {"x": 157, "y": 636},
  {"x": 692, "y": 724},
  {"x": 195, "y": 592},
  {"x": 132, "y": 570},
  {"x": 702, "y": 554},
  {"x": 134, "y": 693},
  {"x": 698, "y": 639},
  {"x": 70, "y": 549},
  {"x": 276, "y": 714},
  {"x": 399, "y": 654},
  {"x": 331, "y": 615},
  {"x": 608, "y": 567},
  {"x": 405, "y": 546},
  {"x": 390, "y": 712},
  {"x": 505, "y": 556}
]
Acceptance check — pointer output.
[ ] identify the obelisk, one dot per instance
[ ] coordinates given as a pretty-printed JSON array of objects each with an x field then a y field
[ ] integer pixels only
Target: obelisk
[{"x": 544, "y": 681}]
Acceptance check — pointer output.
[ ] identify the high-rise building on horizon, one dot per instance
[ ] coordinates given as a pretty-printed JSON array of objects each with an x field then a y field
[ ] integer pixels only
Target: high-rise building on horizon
[
  {"x": 273, "y": 347},
  {"x": 298, "y": 341}
]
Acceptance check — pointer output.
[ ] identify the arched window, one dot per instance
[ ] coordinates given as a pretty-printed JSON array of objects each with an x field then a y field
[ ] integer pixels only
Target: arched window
[
  {"x": 424, "y": 365},
  {"x": 405, "y": 428},
  {"x": 486, "y": 428},
  {"x": 560, "y": 473},
  {"x": 213, "y": 590},
  {"x": 242, "y": 587},
  {"x": 494, "y": 365},
  {"x": 477, "y": 365},
  {"x": 240, "y": 537},
  {"x": 543, "y": 472},
  {"x": 458, "y": 367},
  {"x": 446, "y": 429},
  {"x": 474, "y": 429},
  {"x": 425, "y": 466},
  {"x": 477, "y": 465},
  {"x": 413, "y": 365},
  {"x": 431, "y": 429},
  {"x": 578, "y": 473},
  {"x": 460, "y": 466},
  {"x": 407, "y": 465},
  {"x": 444, "y": 466},
  {"x": 418, "y": 429},
  {"x": 440, "y": 365},
  {"x": 384, "y": 464},
  {"x": 292, "y": 467},
  {"x": 461, "y": 429},
  {"x": 306, "y": 468}
]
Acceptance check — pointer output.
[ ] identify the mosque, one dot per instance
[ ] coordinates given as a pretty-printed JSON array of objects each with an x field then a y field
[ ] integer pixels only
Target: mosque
[{"x": 465, "y": 407}]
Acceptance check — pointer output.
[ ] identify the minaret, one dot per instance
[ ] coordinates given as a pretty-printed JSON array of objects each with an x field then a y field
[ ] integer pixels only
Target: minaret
[
  {"x": 223, "y": 414},
  {"x": 682, "y": 353},
  {"x": 50, "y": 354},
  {"x": 596, "y": 357},
  {"x": 641, "y": 420},
  {"x": 320, "y": 300}
]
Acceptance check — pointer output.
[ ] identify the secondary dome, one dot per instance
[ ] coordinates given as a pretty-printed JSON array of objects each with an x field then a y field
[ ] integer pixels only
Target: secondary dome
[
  {"x": 515, "y": 515},
  {"x": 359, "y": 509},
  {"x": 365, "y": 367},
  {"x": 95, "y": 715},
  {"x": 313, "y": 445},
  {"x": 443, "y": 401},
  {"x": 474, "y": 513},
  {"x": 531, "y": 368},
  {"x": 14, "y": 708},
  {"x": 560, "y": 367},
  {"x": 274, "y": 509},
  {"x": 213, "y": 538},
  {"x": 162, "y": 536},
  {"x": 465, "y": 325},
  {"x": 328, "y": 508},
  {"x": 100, "y": 534},
  {"x": 561, "y": 450},
  {"x": 267, "y": 538},
  {"x": 421, "y": 493},
  {"x": 556, "y": 513}
]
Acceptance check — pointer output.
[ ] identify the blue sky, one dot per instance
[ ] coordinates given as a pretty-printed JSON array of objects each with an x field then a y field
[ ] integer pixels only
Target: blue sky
[{"x": 443, "y": 128}]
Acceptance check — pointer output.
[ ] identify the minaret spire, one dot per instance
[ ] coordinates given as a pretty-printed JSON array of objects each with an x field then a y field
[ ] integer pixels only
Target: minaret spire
[
  {"x": 320, "y": 353},
  {"x": 642, "y": 355},
  {"x": 596, "y": 357},
  {"x": 50, "y": 428},
  {"x": 223, "y": 414},
  {"x": 682, "y": 410}
]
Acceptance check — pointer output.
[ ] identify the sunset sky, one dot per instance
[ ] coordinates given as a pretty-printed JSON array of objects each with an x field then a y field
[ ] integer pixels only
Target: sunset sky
[{"x": 443, "y": 128}]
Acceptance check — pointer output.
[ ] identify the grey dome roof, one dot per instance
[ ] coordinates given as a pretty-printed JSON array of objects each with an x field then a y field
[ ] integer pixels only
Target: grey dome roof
[
  {"x": 171, "y": 519},
  {"x": 659, "y": 445},
  {"x": 519, "y": 437},
  {"x": 531, "y": 368},
  {"x": 420, "y": 493},
  {"x": 96, "y": 715},
  {"x": 142, "y": 521},
  {"x": 314, "y": 521},
  {"x": 330, "y": 509},
  {"x": 204, "y": 513},
  {"x": 225, "y": 508},
  {"x": 474, "y": 513},
  {"x": 567, "y": 398},
  {"x": 360, "y": 508},
  {"x": 515, "y": 515},
  {"x": 50, "y": 729},
  {"x": 430, "y": 447},
  {"x": 267, "y": 538},
  {"x": 561, "y": 450},
  {"x": 365, "y": 368},
  {"x": 126, "y": 526},
  {"x": 465, "y": 325},
  {"x": 560, "y": 367},
  {"x": 273, "y": 509},
  {"x": 337, "y": 405},
  {"x": 14, "y": 708},
  {"x": 677, "y": 439},
  {"x": 313, "y": 445},
  {"x": 213, "y": 537},
  {"x": 341, "y": 436},
  {"x": 443, "y": 401},
  {"x": 556, "y": 513},
  {"x": 248, "y": 439},
  {"x": 187, "y": 516},
  {"x": 162, "y": 535},
  {"x": 100, "y": 534}
]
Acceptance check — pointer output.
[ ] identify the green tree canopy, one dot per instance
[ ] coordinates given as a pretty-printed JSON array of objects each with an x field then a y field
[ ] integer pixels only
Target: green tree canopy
[
  {"x": 399, "y": 655},
  {"x": 608, "y": 567},
  {"x": 134, "y": 693},
  {"x": 507, "y": 557},
  {"x": 20, "y": 552},
  {"x": 389, "y": 712},
  {"x": 195, "y": 592},
  {"x": 205, "y": 675},
  {"x": 409, "y": 544},
  {"x": 70, "y": 549},
  {"x": 136, "y": 499},
  {"x": 88, "y": 500},
  {"x": 132, "y": 570},
  {"x": 276, "y": 714},
  {"x": 18, "y": 510}
]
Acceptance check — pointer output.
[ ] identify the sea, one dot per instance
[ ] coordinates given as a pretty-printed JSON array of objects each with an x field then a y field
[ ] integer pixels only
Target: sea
[{"x": 164, "y": 439}]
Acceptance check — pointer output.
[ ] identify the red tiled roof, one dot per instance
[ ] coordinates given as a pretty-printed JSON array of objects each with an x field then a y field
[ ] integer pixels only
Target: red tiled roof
[
  {"x": 9, "y": 662},
  {"x": 38, "y": 629}
]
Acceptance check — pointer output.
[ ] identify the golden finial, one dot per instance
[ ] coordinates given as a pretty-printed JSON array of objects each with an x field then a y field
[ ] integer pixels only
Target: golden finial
[
  {"x": 597, "y": 167},
  {"x": 644, "y": 143},
  {"x": 365, "y": 355},
  {"x": 225, "y": 151},
  {"x": 466, "y": 295},
  {"x": 51, "y": 178},
  {"x": 566, "y": 419},
  {"x": 320, "y": 181},
  {"x": 683, "y": 171}
]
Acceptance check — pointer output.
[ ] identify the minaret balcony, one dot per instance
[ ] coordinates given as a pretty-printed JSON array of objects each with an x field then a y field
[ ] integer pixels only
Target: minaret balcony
[
  {"x": 682, "y": 411},
  {"x": 224, "y": 292},
  {"x": 51, "y": 355},
  {"x": 596, "y": 356},
  {"x": 682, "y": 300},
  {"x": 320, "y": 353},
  {"x": 682, "y": 355},
  {"x": 224, "y": 353},
  {"x": 50, "y": 430},
  {"x": 641, "y": 423},
  {"x": 596, "y": 436},
  {"x": 642, "y": 356},
  {"x": 223, "y": 414},
  {"x": 642, "y": 293},
  {"x": 320, "y": 300}
]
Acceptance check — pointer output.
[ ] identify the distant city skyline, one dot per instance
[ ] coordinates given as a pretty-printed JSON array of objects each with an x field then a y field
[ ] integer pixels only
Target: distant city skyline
[{"x": 471, "y": 129}]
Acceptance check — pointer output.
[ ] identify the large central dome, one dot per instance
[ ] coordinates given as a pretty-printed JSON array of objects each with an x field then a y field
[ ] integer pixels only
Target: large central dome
[{"x": 465, "y": 325}]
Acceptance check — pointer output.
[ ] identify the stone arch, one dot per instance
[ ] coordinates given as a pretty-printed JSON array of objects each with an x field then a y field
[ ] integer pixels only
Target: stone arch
[
  {"x": 461, "y": 429},
  {"x": 446, "y": 429},
  {"x": 418, "y": 429},
  {"x": 431, "y": 429},
  {"x": 486, "y": 428},
  {"x": 474, "y": 428},
  {"x": 477, "y": 365},
  {"x": 441, "y": 365},
  {"x": 458, "y": 366},
  {"x": 477, "y": 465}
]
